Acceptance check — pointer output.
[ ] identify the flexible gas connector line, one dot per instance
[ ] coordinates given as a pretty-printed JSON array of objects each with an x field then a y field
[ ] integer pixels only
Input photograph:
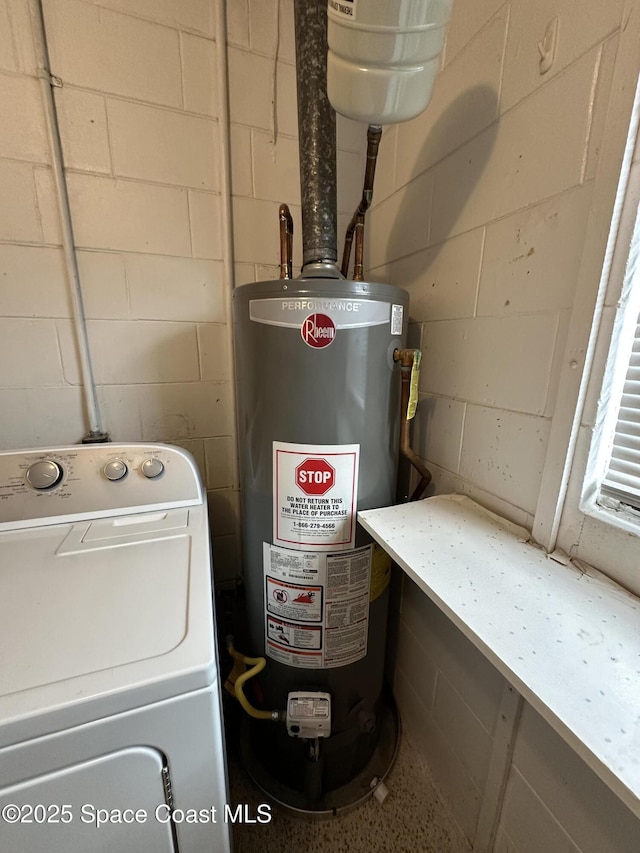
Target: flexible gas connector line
[{"x": 257, "y": 665}]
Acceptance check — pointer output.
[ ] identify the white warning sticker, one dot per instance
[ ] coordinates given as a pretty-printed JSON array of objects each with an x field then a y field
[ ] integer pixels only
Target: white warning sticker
[
  {"x": 344, "y": 8},
  {"x": 294, "y": 636},
  {"x": 397, "y": 316},
  {"x": 316, "y": 606},
  {"x": 315, "y": 493},
  {"x": 302, "y": 603}
]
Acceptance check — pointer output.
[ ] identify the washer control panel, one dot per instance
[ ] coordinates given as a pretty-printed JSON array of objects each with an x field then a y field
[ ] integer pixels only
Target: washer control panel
[{"x": 57, "y": 485}]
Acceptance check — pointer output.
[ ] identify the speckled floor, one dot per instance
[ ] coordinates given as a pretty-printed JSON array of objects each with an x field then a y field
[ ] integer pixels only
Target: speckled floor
[{"x": 412, "y": 819}]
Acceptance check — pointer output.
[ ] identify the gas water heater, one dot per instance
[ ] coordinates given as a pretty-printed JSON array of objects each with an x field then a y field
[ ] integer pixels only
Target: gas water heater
[{"x": 319, "y": 403}]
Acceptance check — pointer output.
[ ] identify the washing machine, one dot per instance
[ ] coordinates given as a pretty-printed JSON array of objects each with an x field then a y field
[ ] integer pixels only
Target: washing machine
[{"x": 110, "y": 712}]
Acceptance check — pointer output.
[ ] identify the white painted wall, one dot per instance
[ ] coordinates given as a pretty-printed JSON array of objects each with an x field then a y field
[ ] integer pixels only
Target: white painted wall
[{"x": 481, "y": 212}]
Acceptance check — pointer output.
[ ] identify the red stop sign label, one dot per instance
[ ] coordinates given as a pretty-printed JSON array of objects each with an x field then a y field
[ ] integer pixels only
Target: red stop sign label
[{"x": 315, "y": 476}]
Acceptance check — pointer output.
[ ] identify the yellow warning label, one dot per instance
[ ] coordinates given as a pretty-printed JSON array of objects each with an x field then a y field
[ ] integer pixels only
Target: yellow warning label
[{"x": 380, "y": 572}]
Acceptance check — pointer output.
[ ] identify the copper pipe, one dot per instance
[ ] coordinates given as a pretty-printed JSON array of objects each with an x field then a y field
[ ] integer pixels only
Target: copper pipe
[
  {"x": 346, "y": 252},
  {"x": 286, "y": 242},
  {"x": 405, "y": 357},
  {"x": 358, "y": 264},
  {"x": 374, "y": 132}
]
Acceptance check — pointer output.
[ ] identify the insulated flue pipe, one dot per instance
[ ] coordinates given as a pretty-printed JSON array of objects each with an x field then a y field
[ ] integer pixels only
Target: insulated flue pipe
[{"x": 316, "y": 134}]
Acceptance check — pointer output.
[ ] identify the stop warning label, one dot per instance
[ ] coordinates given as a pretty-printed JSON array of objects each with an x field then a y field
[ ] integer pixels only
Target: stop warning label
[
  {"x": 315, "y": 476},
  {"x": 315, "y": 495}
]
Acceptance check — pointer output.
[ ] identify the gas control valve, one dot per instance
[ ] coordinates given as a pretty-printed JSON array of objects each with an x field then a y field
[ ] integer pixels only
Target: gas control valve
[{"x": 309, "y": 714}]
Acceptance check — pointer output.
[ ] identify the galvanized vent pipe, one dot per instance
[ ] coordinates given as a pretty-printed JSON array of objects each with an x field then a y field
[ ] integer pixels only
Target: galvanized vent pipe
[{"x": 316, "y": 134}]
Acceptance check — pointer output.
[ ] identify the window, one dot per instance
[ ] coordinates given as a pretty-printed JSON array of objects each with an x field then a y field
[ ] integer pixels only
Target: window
[
  {"x": 613, "y": 473},
  {"x": 620, "y": 488},
  {"x": 589, "y": 500}
]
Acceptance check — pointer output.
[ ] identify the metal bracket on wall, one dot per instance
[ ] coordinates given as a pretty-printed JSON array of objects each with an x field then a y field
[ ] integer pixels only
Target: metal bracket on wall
[
  {"x": 51, "y": 79},
  {"x": 547, "y": 47}
]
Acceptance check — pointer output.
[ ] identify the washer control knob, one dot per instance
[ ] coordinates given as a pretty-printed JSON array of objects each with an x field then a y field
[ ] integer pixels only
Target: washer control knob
[
  {"x": 115, "y": 470},
  {"x": 44, "y": 474},
  {"x": 152, "y": 468}
]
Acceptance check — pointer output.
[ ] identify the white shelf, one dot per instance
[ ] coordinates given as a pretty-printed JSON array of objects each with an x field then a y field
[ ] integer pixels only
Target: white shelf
[{"x": 567, "y": 640}]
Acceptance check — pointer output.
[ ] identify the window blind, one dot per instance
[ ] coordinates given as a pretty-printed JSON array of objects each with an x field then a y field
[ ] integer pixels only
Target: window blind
[{"x": 622, "y": 480}]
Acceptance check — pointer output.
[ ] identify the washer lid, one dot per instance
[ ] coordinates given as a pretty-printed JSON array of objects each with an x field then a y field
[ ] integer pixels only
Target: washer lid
[{"x": 104, "y": 608}]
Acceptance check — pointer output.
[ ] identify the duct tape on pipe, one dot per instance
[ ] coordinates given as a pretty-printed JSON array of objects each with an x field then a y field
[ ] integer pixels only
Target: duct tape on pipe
[{"x": 413, "y": 388}]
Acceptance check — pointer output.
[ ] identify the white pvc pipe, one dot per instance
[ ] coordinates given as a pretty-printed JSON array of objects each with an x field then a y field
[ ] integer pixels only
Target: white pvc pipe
[
  {"x": 224, "y": 142},
  {"x": 225, "y": 205},
  {"x": 68, "y": 244}
]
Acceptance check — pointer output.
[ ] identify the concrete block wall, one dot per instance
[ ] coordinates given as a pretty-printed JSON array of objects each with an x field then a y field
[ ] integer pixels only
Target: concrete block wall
[
  {"x": 449, "y": 698},
  {"x": 481, "y": 212},
  {"x": 483, "y": 222},
  {"x": 138, "y": 118},
  {"x": 264, "y": 138},
  {"x": 138, "y": 114}
]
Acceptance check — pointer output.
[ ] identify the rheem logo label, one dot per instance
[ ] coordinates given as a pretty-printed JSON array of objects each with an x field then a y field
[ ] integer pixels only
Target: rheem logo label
[
  {"x": 318, "y": 331},
  {"x": 315, "y": 477}
]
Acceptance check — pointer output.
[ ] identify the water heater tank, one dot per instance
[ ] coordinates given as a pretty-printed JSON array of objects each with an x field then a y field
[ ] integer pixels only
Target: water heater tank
[
  {"x": 384, "y": 56},
  {"x": 318, "y": 404}
]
